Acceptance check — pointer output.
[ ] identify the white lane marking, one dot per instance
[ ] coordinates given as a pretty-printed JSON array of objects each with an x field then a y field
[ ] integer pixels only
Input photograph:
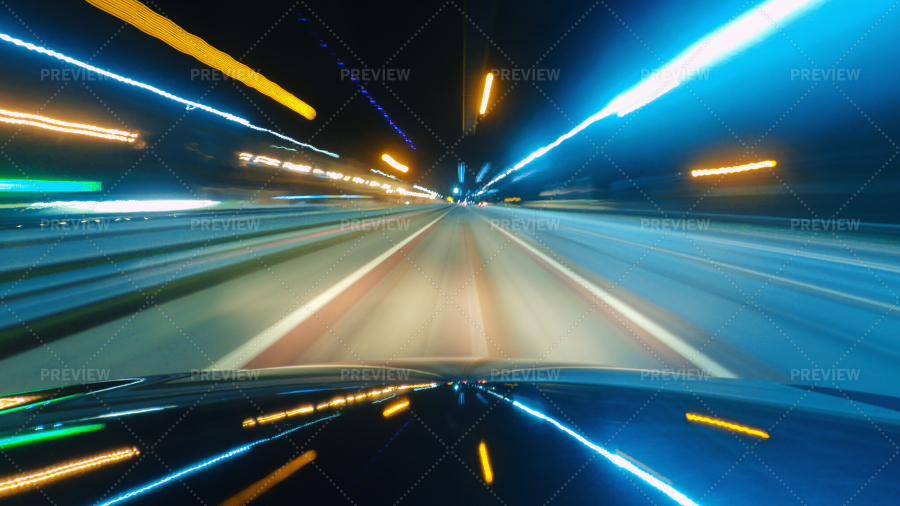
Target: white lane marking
[
  {"x": 253, "y": 347},
  {"x": 829, "y": 291},
  {"x": 669, "y": 339}
]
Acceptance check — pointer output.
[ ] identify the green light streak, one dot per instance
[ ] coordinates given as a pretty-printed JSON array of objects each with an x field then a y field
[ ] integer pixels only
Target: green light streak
[{"x": 9, "y": 442}]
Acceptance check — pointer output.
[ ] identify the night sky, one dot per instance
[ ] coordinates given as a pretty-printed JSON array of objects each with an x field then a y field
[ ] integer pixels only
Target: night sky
[{"x": 828, "y": 137}]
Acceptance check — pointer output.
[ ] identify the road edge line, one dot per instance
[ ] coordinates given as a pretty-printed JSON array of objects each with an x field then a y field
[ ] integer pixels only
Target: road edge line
[{"x": 669, "y": 339}]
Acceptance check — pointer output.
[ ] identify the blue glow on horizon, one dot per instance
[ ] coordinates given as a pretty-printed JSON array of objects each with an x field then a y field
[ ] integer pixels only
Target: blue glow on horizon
[
  {"x": 731, "y": 38},
  {"x": 188, "y": 103}
]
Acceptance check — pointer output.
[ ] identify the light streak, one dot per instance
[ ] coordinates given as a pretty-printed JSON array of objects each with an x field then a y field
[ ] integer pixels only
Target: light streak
[
  {"x": 268, "y": 161},
  {"x": 726, "y": 425},
  {"x": 485, "y": 463},
  {"x": 393, "y": 163},
  {"x": 44, "y": 186},
  {"x": 483, "y": 172},
  {"x": 37, "y": 402},
  {"x": 734, "y": 36},
  {"x": 27, "y": 481},
  {"x": 209, "y": 462},
  {"x": 730, "y": 170},
  {"x": 151, "y": 23},
  {"x": 618, "y": 460},
  {"x": 18, "y": 118},
  {"x": 133, "y": 412},
  {"x": 365, "y": 92},
  {"x": 304, "y": 197},
  {"x": 24, "y": 439},
  {"x": 401, "y": 191},
  {"x": 9, "y": 402},
  {"x": 487, "y": 92},
  {"x": 395, "y": 178},
  {"x": 426, "y": 190},
  {"x": 395, "y": 408},
  {"x": 308, "y": 408},
  {"x": 128, "y": 206},
  {"x": 298, "y": 168},
  {"x": 190, "y": 104},
  {"x": 260, "y": 487}
]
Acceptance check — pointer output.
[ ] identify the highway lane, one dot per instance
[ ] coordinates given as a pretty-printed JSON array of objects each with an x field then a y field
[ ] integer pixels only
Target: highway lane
[{"x": 757, "y": 302}]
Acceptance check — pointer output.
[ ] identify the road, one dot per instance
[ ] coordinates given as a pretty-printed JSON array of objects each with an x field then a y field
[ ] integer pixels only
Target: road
[{"x": 693, "y": 297}]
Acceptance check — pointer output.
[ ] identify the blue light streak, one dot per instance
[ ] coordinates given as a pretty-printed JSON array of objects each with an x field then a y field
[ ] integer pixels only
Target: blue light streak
[
  {"x": 612, "y": 457},
  {"x": 207, "y": 463},
  {"x": 366, "y": 93},
  {"x": 731, "y": 38},
  {"x": 188, "y": 103}
]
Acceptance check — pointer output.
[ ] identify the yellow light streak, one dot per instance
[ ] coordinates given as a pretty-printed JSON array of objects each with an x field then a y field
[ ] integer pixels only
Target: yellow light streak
[
  {"x": 35, "y": 117},
  {"x": 396, "y": 408},
  {"x": 487, "y": 92},
  {"x": 727, "y": 425},
  {"x": 394, "y": 163},
  {"x": 485, "y": 463},
  {"x": 730, "y": 170},
  {"x": 19, "y": 118},
  {"x": 300, "y": 411},
  {"x": 272, "y": 417},
  {"x": 9, "y": 402},
  {"x": 27, "y": 481},
  {"x": 260, "y": 487},
  {"x": 151, "y": 23}
]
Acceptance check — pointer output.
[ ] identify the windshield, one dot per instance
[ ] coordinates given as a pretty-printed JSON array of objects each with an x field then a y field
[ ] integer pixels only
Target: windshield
[{"x": 698, "y": 189}]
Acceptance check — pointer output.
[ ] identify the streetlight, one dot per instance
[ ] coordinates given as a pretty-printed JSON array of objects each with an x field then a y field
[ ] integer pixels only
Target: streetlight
[
  {"x": 487, "y": 92},
  {"x": 393, "y": 163}
]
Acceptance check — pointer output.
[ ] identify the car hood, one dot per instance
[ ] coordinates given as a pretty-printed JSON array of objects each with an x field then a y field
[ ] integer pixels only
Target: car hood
[{"x": 447, "y": 432}]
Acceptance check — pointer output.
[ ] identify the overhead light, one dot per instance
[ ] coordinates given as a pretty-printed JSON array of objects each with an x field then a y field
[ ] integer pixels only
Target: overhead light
[
  {"x": 190, "y": 104},
  {"x": 151, "y": 23},
  {"x": 393, "y": 163},
  {"x": 487, "y": 92},
  {"x": 734, "y": 36}
]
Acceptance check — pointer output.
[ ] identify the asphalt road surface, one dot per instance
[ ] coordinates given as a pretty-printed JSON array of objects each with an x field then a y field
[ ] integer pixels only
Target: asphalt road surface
[{"x": 705, "y": 296}]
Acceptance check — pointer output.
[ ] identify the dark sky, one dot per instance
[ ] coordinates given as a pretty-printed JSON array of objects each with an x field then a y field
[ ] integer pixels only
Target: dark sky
[{"x": 822, "y": 133}]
